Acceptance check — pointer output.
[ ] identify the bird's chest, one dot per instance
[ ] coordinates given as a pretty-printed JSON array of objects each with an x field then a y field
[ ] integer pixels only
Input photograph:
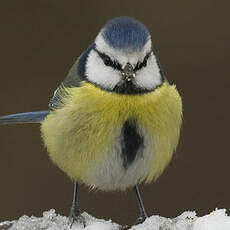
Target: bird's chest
[
  {"x": 113, "y": 141},
  {"x": 126, "y": 161}
]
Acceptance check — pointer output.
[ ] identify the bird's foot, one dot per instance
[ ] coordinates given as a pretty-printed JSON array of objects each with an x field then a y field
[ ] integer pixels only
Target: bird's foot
[
  {"x": 140, "y": 219},
  {"x": 76, "y": 216}
]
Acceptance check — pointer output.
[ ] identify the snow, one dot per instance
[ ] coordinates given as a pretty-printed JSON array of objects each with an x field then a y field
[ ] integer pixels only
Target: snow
[
  {"x": 53, "y": 221},
  {"x": 216, "y": 220}
]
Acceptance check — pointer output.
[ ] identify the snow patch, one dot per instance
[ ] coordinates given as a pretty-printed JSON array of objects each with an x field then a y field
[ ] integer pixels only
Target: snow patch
[{"x": 217, "y": 220}]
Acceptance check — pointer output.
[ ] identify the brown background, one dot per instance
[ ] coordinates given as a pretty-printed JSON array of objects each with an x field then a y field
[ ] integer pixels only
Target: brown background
[{"x": 39, "y": 41}]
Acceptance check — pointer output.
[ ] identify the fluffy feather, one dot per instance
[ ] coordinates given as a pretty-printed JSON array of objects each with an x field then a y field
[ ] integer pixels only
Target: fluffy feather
[{"x": 82, "y": 137}]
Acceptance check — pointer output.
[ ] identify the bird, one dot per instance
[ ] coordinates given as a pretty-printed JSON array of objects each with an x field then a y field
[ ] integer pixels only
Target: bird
[{"x": 115, "y": 120}]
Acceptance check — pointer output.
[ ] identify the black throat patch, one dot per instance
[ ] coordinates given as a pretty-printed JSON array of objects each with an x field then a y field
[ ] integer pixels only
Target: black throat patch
[{"x": 131, "y": 142}]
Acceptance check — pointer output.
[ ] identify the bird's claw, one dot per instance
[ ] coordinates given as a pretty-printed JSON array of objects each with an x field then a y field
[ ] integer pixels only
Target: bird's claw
[
  {"x": 140, "y": 220},
  {"x": 76, "y": 217}
]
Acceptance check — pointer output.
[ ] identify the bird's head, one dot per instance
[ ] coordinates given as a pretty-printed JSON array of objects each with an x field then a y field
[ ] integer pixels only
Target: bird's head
[{"x": 122, "y": 59}]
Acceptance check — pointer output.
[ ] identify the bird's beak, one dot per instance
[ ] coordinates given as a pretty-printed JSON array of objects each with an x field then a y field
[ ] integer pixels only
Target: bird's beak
[{"x": 128, "y": 72}]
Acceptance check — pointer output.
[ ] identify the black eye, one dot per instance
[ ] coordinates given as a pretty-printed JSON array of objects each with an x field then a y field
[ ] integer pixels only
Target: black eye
[
  {"x": 144, "y": 63},
  {"x": 107, "y": 61}
]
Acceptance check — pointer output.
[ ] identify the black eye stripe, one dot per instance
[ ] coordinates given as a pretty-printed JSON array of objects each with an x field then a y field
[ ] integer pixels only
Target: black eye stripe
[
  {"x": 107, "y": 60},
  {"x": 139, "y": 65},
  {"x": 116, "y": 65}
]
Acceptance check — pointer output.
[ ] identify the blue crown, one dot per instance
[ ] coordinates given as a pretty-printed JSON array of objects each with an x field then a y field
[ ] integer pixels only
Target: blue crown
[{"x": 125, "y": 33}]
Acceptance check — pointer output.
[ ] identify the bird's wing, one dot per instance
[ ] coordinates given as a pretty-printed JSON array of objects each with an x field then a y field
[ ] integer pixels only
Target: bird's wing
[{"x": 73, "y": 79}]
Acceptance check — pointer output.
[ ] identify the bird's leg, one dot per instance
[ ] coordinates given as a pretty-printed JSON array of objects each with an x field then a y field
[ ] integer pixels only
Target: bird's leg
[
  {"x": 142, "y": 215},
  {"x": 75, "y": 212}
]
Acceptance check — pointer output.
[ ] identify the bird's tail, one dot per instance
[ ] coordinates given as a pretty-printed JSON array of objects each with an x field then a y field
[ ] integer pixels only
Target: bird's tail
[{"x": 20, "y": 118}]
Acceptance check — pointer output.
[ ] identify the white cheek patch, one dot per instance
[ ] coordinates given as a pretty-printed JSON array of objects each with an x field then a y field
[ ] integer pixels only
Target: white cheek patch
[
  {"x": 100, "y": 74},
  {"x": 149, "y": 77}
]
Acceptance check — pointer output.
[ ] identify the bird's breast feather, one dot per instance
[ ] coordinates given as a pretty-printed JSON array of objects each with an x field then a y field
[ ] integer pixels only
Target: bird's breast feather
[{"x": 79, "y": 134}]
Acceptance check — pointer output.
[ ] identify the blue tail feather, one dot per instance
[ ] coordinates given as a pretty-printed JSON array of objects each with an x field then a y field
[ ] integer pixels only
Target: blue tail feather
[{"x": 20, "y": 118}]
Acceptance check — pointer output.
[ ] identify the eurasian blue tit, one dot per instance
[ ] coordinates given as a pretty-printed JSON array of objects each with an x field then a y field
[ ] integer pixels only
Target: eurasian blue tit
[{"x": 114, "y": 121}]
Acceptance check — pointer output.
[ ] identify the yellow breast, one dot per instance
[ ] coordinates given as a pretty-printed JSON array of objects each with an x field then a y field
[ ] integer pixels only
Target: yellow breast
[{"x": 79, "y": 134}]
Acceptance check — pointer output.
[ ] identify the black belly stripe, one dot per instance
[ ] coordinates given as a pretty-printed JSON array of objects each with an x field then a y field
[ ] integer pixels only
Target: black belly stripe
[{"x": 131, "y": 142}]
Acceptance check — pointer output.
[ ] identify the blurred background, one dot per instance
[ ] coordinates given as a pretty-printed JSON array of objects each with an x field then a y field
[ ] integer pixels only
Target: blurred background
[{"x": 40, "y": 40}]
